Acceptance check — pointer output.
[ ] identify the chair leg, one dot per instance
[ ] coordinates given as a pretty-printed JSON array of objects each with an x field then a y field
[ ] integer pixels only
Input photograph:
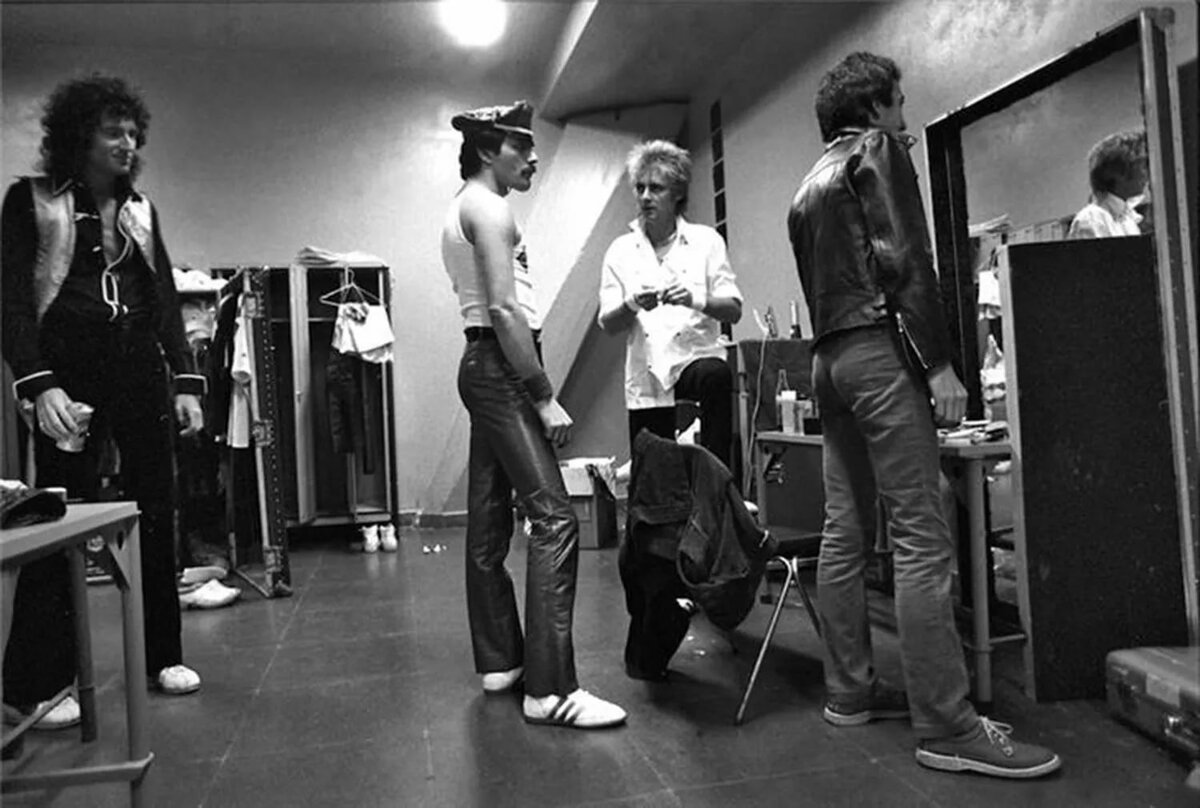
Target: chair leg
[{"x": 762, "y": 651}]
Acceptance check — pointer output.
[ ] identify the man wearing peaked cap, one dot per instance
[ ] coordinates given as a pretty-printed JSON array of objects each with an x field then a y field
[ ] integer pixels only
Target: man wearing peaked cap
[
  {"x": 516, "y": 424},
  {"x": 516, "y": 118}
]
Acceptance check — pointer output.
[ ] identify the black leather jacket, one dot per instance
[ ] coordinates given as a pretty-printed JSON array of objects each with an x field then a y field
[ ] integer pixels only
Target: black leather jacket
[{"x": 861, "y": 244}]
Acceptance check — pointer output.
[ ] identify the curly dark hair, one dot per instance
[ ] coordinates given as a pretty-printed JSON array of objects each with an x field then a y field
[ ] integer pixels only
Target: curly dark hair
[
  {"x": 74, "y": 111},
  {"x": 1115, "y": 158},
  {"x": 847, "y": 93},
  {"x": 486, "y": 139}
]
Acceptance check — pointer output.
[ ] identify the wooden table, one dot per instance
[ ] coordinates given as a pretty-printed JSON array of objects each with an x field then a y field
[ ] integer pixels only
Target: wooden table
[
  {"x": 116, "y": 524},
  {"x": 973, "y": 457}
]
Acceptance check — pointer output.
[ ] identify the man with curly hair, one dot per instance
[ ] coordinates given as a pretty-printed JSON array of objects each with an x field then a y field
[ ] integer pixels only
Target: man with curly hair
[
  {"x": 1117, "y": 172},
  {"x": 882, "y": 378},
  {"x": 90, "y": 312}
]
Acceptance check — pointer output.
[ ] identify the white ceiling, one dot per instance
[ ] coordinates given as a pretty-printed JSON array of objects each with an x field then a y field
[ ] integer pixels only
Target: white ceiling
[{"x": 630, "y": 52}]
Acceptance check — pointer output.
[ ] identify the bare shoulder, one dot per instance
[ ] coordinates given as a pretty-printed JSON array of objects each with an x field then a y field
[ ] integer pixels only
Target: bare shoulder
[{"x": 482, "y": 209}]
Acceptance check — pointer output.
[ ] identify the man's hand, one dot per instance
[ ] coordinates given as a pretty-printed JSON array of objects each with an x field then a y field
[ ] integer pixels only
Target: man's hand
[
  {"x": 677, "y": 295},
  {"x": 556, "y": 421},
  {"x": 646, "y": 299},
  {"x": 189, "y": 414},
  {"x": 54, "y": 416},
  {"x": 949, "y": 396}
]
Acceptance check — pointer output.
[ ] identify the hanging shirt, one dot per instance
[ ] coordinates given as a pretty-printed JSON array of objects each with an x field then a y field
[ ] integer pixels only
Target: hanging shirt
[{"x": 241, "y": 372}]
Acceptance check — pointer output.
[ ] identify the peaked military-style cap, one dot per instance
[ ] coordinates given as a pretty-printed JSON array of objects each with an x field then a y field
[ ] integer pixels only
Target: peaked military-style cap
[{"x": 516, "y": 117}]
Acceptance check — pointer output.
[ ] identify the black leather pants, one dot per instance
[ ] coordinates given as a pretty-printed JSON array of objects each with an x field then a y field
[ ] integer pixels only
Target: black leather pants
[
  {"x": 509, "y": 451},
  {"x": 122, "y": 375}
]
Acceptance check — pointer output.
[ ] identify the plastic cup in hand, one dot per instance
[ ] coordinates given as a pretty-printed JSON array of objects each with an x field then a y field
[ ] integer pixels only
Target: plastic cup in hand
[{"x": 83, "y": 420}]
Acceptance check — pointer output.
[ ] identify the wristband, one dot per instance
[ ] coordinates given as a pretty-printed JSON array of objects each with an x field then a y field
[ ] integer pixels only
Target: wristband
[
  {"x": 631, "y": 304},
  {"x": 538, "y": 386},
  {"x": 700, "y": 300}
]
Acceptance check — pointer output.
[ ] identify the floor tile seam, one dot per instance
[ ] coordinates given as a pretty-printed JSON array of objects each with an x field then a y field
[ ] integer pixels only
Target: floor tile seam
[
  {"x": 778, "y": 774},
  {"x": 307, "y": 749},
  {"x": 637, "y": 744},
  {"x": 901, "y": 774},
  {"x": 622, "y": 800},
  {"x": 343, "y": 681}
]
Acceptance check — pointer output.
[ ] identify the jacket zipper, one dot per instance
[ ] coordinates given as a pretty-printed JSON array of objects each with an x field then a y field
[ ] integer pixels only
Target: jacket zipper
[{"x": 911, "y": 342}]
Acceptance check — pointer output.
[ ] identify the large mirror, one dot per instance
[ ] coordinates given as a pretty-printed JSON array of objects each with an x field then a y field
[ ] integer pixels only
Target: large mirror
[{"x": 1009, "y": 172}]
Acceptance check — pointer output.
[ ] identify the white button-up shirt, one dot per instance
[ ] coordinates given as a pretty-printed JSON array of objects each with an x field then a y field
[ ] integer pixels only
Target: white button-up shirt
[
  {"x": 1104, "y": 217},
  {"x": 666, "y": 339}
]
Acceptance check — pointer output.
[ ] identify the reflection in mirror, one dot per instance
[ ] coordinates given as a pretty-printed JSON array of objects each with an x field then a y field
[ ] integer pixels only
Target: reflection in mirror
[
  {"x": 1026, "y": 166},
  {"x": 1028, "y": 171}
]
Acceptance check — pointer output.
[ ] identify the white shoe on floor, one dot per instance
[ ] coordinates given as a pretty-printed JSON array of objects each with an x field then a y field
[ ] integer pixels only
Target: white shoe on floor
[
  {"x": 502, "y": 681},
  {"x": 370, "y": 538},
  {"x": 580, "y": 710},
  {"x": 202, "y": 575},
  {"x": 387, "y": 539},
  {"x": 178, "y": 680},
  {"x": 64, "y": 714},
  {"x": 212, "y": 595}
]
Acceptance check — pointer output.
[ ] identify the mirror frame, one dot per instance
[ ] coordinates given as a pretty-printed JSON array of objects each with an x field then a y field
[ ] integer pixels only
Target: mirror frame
[{"x": 1159, "y": 81}]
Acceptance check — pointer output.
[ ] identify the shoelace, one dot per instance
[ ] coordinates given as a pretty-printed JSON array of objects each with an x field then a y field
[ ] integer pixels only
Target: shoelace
[{"x": 997, "y": 734}]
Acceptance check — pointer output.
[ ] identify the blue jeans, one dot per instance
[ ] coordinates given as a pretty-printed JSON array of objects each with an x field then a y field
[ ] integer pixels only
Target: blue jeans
[
  {"x": 880, "y": 441},
  {"x": 509, "y": 451}
]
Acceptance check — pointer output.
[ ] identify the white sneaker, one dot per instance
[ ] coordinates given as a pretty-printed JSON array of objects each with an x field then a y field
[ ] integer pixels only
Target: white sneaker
[
  {"x": 212, "y": 595},
  {"x": 580, "y": 710},
  {"x": 178, "y": 680},
  {"x": 370, "y": 537},
  {"x": 502, "y": 681},
  {"x": 202, "y": 575},
  {"x": 64, "y": 714},
  {"x": 387, "y": 539}
]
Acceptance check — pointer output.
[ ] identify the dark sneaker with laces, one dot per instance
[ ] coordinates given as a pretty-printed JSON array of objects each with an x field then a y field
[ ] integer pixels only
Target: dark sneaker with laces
[
  {"x": 883, "y": 703},
  {"x": 987, "y": 749}
]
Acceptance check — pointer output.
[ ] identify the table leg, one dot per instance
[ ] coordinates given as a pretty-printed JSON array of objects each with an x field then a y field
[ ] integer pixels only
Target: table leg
[
  {"x": 86, "y": 680},
  {"x": 8, "y": 593},
  {"x": 979, "y": 580},
  {"x": 135, "y": 655}
]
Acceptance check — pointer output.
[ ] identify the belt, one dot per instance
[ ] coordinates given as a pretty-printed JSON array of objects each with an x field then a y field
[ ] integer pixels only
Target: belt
[{"x": 477, "y": 332}]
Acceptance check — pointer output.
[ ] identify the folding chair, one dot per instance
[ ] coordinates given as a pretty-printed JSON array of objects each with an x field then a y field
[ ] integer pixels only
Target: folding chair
[{"x": 795, "y": 552}]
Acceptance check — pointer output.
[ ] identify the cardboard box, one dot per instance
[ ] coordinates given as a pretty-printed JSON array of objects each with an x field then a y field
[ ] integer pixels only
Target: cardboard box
[{"x": 589, "y": 482}]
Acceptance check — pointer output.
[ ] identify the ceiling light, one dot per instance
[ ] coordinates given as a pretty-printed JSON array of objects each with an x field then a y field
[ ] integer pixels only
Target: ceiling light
[{"x": 474, "y": 23}]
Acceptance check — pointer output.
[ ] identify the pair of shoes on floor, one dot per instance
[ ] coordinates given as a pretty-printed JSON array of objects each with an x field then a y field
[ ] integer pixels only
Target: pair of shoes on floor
[
  {"x": 210, "y": 595},
  {"x": 580, "y": 710},
  {"x": 987, "y": 749},
  {"x": 502, "y": 681},
  {"x": 379, "y": 537},
  {"x": 881, "y": 704},
  {"x": 177, "y": 680},
  {"x": 62, "y": 715}
]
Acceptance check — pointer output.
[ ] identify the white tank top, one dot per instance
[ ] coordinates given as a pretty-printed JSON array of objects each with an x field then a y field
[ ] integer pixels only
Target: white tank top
[{"x": 458, "y": 256}]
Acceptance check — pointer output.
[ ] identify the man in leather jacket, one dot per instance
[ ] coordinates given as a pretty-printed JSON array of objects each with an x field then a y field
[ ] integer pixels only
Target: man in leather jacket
[
  {"x": 90, "y": 315},
  {"x": 882, "y": 377}
]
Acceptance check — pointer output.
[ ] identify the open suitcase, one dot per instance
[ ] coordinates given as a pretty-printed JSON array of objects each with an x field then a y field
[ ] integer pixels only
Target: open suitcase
[{"x": 1158, "y": 691}]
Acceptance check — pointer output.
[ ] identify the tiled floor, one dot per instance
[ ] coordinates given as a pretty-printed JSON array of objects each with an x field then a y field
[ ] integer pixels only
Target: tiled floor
[{"x": 359, "y": 691}]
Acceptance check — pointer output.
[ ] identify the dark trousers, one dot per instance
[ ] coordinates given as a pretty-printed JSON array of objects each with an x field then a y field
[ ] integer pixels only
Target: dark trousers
[
  {"x": 708, "y": 382},
  {"x": 509, "y": 451},
  {"x": 121, "y": 374}
]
